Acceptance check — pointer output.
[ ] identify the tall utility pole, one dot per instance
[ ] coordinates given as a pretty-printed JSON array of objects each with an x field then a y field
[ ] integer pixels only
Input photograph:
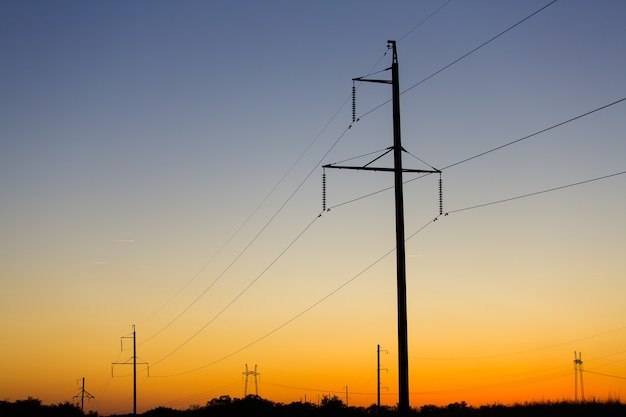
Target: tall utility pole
[
  {"x": 378, "y": 369},
  {"x": 256, "y": 383},
  {"x": 134, "y": 363},
  {"x": 403, "y": 345},
  {"x": 578, "y": 371},
  {"x": 82, "y": 394}
]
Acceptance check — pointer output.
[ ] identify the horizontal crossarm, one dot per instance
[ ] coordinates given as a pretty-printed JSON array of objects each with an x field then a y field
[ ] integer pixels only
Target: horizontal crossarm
[{"x": 381, "y": 169}]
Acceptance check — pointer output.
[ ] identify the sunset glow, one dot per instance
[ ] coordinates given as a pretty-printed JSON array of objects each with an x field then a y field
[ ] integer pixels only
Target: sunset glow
[{"x": 161, "y": 171}]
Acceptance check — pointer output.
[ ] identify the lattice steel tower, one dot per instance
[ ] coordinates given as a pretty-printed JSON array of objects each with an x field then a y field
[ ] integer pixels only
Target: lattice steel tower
[
  {"x": 578, "y": 372},
  {"x": 254, "y": 373}
]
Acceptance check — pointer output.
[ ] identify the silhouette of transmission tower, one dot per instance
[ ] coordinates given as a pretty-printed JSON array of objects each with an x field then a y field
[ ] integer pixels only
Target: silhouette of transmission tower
[
  {"x": 578, "y": 371},
  {"x": 134, "y": 363},
  {"x": 82, "y": 394},
  {"x": 254, "y": 373}
]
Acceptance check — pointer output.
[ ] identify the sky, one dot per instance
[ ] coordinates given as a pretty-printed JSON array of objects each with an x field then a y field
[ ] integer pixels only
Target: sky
[{"x": 161, "y": 167}]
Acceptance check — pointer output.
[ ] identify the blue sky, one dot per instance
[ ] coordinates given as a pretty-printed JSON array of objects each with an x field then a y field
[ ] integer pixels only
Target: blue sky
[{"x": 137, "y": 137}]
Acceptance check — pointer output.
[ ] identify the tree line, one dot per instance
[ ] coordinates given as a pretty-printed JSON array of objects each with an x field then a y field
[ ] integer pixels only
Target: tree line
[{"x": 330, "y": 406}]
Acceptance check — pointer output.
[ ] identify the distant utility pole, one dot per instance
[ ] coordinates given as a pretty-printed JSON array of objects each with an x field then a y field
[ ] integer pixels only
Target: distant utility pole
[
  {"x": 82, "y": 394},
  {"x": 578, "y": 371},
  {"x": 378, "y": 369},
  {"x": 347, "y": 397},
  {"x": 256, "y": 383},
  {"x": 134, "y": 363},
  {"x": 403, "y": 348}
]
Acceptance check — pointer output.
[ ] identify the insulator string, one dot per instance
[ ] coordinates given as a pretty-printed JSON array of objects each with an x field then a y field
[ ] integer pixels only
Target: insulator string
[
  {"x": 353, "y": 102},
  {"x": 440, "y": 194},
  {"x": 324, "y": 190}
]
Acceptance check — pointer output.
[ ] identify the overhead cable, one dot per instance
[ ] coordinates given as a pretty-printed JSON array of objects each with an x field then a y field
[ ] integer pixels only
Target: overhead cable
[{"x": 462, "y": 57}]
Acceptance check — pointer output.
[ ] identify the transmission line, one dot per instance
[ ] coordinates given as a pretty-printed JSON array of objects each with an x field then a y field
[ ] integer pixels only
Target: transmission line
[
  {"x": 537, "y": 133},
  {"x": 463, "y": 56},
  {"x": 522, "y": 352},
  {"x": 598, "y": 373},
  {"x": 311, "y": 307},
  {"x": 488, "y": 152},
  {"x": 482, "y": 45},
  {"x": 415, "y": 233},
  {"x": 250, "y": 284},
  {"x": 371, "y": 265},
  {"x": 332, "y": 118},
  {"x": 536, "y": 193},
  {"x": 305, "y": 179},
  {"x": 424, "y": 20},
  {"x": 300, "y": 185}
]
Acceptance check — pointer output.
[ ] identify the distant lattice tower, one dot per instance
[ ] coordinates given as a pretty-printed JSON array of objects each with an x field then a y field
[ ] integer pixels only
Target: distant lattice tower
[
  {"x": 578, "y": 372},
  {"x": 254, "y": 373}
]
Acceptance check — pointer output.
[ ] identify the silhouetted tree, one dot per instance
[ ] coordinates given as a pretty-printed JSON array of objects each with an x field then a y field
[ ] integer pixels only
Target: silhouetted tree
[
  {"x": 383, "y": 410},
  {"x": 222, "y": 400},
  {"x": 163, "y": 412},
  {"x": 253, "y": 405},
  {"x": 430, "y": 410},
  {"x": 332, "y": 406},
  {"x": 299, "y": 409},
  {"x": 66, "y": 409},
  {"x": 331, "y": 402},
  {"x": 32, "y": 407}
]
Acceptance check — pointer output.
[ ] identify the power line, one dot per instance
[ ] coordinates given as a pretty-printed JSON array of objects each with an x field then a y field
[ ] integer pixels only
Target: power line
[
  {"x": 306, "y": 150},
  {"x": 516, "y": 383},
  {"x": 608, "y": 356},
  {"x": 311, "y": 173},
  {"x": 424, "y": 20},
  {"x": 490, "y": 151},
  {"x": 419, "y": 230},
  {"x": 522, "y": 352},
  {"x": 390, "y": 252},
  {"x": 105, "y": 386},
  {"x": 207, "y": 263},
  {"x": 463, "y": 56},
  {"x": 202, "y": 396},
  {"x": 537, "y": 133},
  {"x": 598, "y": 373},
  {"x": 303, "y": 388},
  {"x": 482, "y": 45},
  {"x": 370, "y": 73},
  {"x": 293, "y": 318},
  {"x": 256, "y": 236},
  {"x": 537, "y": 192},
  {"x": 336, "y": 290},
  {"x": 305, "y": 179},
  {"x": 250, "y": 284},
  {"x": 333, "y": 117}
]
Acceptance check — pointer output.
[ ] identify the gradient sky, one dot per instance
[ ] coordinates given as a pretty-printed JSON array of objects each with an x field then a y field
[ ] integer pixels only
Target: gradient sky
[{"x": 160, "y": 166}]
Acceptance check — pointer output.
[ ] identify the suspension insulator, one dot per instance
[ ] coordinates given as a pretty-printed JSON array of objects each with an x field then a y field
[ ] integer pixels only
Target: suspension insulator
[
  {"x": 353, "y": 103},
  {"x": 440, "y": 195},
  {"x": 324, "y": 191}
]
